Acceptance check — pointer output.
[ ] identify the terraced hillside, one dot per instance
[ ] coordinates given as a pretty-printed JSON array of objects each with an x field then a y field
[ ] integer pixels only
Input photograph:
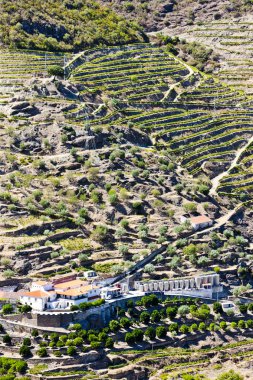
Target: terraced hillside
[
  {"x": 97, "y": 170},
  {"x": 231, "y": 41}
]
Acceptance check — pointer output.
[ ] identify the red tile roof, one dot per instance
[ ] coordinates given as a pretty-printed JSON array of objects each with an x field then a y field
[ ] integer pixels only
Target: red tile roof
[{"x": 200, "y": 219}]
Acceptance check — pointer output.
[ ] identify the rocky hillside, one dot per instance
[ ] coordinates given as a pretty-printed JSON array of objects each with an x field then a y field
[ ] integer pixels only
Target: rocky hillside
[
  {"x": 63, "y": 25},
  {"x": 154, "y": 15},
  {"x": 97, "y": 170}
]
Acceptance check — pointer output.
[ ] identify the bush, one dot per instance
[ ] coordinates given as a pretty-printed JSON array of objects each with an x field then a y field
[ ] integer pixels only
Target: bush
[
  {"x": 171, "y": 312},
  {"x": 183, "y": 310},
  {"x": 25, "y": 309},
  {"x": 217, "y": 308},
  {"x": 56, "y": 70},
  {"x": 109, "y": 343},
  {"x": 155, "y": 316},
  {"x": 7, "y": 339},
  {"x": 150, "y": 333},
  {"x": 71, "y": 351},
  {"x": 114, "y": 325},
  {"x": 150, "y": 300},
  {"x": 138, "y": 335},
  {"x": 42, "y": 352},
  {"x": 173, "y": 327},
  {"x": 161, "y": 332},
  {"x": 7, "y": 309},
  {"x": 241, "y": 324},
  {"x": 130, "y": 338},
  {"x": 194, "y": 327},
  {"x": 27, "y": 342},
  {"x": 223, "y": 325},
  {"x": 249, "y": 323},
  {"x": 125, "y": 322},
  {"x": 243, "y": 308},
  {"x": 100, "y": 233},
  {"x": 230, "y": 375},
  {"x": 25, "y": 351},
  {"x": 202, "y": 326},
  {"x": 184, "y": 329},
  {"x": 145, "y": 317}
]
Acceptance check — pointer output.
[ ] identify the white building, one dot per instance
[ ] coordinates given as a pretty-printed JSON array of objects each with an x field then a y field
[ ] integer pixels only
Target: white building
[
  {"x": 90, "y": 275},
  {"x": 110, "y": 292},
  {"x": 44, "y": 295},
  {"x": 198, "y": 222}
]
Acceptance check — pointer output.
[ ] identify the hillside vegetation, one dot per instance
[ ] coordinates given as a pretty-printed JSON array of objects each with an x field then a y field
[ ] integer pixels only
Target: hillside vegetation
[{"x": 63, "y": 25}]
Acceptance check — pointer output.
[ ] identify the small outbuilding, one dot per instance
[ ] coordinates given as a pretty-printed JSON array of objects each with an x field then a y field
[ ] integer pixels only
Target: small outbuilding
[{"x": 200, "y": 221}]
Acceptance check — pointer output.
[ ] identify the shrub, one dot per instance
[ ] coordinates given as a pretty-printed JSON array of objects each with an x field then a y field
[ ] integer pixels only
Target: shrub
[
  {"x": 161, "y": 332},
  {"x": 27, "y": 342},
  {"x": 241, "y": 324},
  {"x": 233, "y": 325},
  {"x": 230, "y": 375},
  {"x": 71, "y": 351},
  {"x": 114, "y": 325},
  {"x": 190, "y": 207},
  {"x": 145, "y": 317},
  {"x": 243, "y": 308},
  {"x": 25, "y": 308},
  {"x": 155, "y": 316},
  {"x": 56, "y": 70},
  {"x": 125, "y": 322},
  {"x": 217, "y": 308},
  {"x": 130, "y": 338},
  {"x": 42, "y": 352},
  {"x": 173, "y": 327},
  {"x": 25, "y": 351},
  {"x": 223, "y": 325},
  {"x": 184, "y": 329},
  {"x": 100, "y": 232},
  {"x": 138, "y": 335},
  {"x": 183, "y": 310},
  {"x": 171, "y": 312},
  {"x": 249, "y": 323},
  {"x": 194, "y": 327},
  {"x": 7, "y": 339},
  {"x": 109, "y": 343},
  {"x": 202, "y": 326},
  {"x": 7, "y": 309},
  {"x": 149, "y": 268},
  {"x": 150, "y": 333}
]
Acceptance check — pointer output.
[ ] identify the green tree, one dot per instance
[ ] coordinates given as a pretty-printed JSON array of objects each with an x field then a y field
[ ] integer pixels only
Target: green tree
[
  {"x": 7, "y": 309},
  {"x": 155, "y": 316},
  {"x": 161, "y": 332},
  {"x": 145, "y": 317},
  {"x": 114, "y": 325},
  {"x": 56, "y": 70},
  {"x": 109, "y": 343},
  {"x": 25, "y": 351},
  {"x": 130, "y": 338},
  {"x": 138, "y": 335},
  {"x": 150, "y": 333},
  {"x": 171, "y": 312},
  {"x": 71, "y": 351}
]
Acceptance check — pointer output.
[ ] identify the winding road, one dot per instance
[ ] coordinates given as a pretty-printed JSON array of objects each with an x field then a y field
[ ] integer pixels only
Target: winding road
[{"x": 216, "y": 180}]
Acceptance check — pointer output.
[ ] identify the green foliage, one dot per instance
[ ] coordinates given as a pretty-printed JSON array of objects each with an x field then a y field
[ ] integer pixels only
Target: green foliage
[
  {"x": 145, "y": 317},
  {"x": 25, "y": 351},
  {"x": 230, "y": 375},
  {"x": 12, "y": 367},
  {"x": 55, "y": 70},
  {"x": 150, "y": 333},
  {"x": 7, "y": 309},
  {"x": 69, "y": 25},
  {"x": 161, "y": 332}
]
